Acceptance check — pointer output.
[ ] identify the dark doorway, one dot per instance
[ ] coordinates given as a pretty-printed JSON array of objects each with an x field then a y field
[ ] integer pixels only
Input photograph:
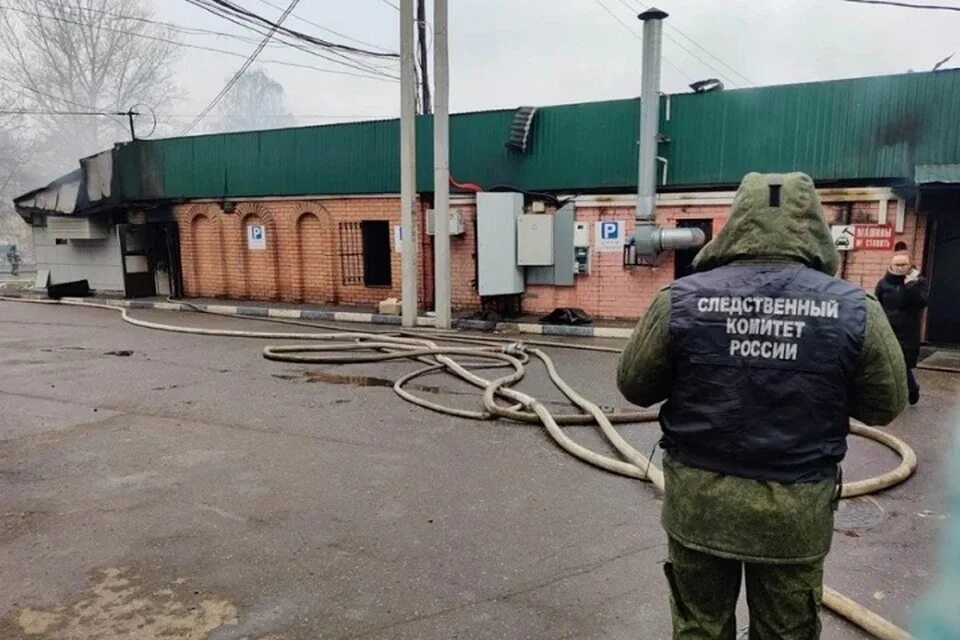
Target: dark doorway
[
  {"x": 138, "y": 280},
  {"x": 683, "y": 259},
  {"x": 376, "y": 253},
  {"x": 943, "y": 316}
]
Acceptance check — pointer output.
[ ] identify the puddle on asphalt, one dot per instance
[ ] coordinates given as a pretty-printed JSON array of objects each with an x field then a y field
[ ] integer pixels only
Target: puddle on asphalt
[
  {"x": 329, "y": 377},
  {"x": 352, "y": 380}
]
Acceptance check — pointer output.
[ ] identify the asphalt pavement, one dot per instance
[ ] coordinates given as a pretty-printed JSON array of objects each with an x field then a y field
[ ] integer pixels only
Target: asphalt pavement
[{"x": 161, "y": 485}]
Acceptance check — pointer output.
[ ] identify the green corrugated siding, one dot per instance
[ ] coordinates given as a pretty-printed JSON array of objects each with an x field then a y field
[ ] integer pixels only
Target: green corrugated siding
[
  {"x": 852, "y": 129},
  {"x": 860, "y": 129}
]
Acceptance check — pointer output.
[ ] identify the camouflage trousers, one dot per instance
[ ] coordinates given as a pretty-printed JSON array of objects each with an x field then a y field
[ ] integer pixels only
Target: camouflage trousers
[{"x": 784, "y": 599}]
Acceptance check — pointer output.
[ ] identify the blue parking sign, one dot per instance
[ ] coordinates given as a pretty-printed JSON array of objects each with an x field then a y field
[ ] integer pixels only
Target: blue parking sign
[
  {"x": 610, "y": 230},
  {"x": 256, "y": 237},
  {"x": 609, "y": 234}
]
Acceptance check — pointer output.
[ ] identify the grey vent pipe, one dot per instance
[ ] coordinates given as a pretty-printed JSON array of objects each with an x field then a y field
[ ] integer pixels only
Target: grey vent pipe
[
  {"x": 650, "y": 240},
  {"x": 649, "y": 113}
]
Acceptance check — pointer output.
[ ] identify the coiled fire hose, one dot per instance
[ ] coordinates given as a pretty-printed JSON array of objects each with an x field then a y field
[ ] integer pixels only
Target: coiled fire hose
[{"x": 374, "y": 347}]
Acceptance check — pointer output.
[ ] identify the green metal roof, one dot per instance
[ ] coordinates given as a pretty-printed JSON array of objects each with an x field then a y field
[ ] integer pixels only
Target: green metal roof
[
  {"x": 859, "y": 129},
  {"x": 937, "y": 173}
]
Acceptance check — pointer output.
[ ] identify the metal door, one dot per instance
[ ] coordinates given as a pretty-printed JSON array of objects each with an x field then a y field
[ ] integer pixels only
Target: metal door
[{"x": 943, "y": 317}]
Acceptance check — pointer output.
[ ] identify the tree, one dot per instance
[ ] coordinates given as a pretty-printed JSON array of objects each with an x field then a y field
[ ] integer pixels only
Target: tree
[
  {"x": 84, "y": 55},
  {"x": 256, "y": 101},
  {"x": 72, "y": 55}
]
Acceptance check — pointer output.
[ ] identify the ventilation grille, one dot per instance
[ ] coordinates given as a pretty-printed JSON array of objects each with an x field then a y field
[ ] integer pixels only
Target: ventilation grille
[{"x": 520, "y": 129}]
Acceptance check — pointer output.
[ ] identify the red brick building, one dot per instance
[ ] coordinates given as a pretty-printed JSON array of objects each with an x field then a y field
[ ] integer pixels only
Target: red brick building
[
  {"x": 312, "y": 214},
  {"x": 313, "y": 244}
]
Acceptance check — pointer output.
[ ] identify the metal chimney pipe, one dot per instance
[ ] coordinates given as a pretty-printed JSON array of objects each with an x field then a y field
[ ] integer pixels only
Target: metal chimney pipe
[{"x": 649, "y": 113}]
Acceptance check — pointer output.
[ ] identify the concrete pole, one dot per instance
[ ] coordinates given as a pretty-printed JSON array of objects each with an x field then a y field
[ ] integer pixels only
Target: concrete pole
[
  {"x": 649, "y": 113},
  {"x": 441, "y": 166},
  {"x": 408, "y": 166}
]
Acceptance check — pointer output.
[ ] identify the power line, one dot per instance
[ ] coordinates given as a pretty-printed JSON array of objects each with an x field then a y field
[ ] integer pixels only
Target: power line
[
  {"x": 51, "y": 112},
  {"x": 201, "y": 47},
  {"x": 242, "y": 69},
  {"x": 699, "y": 46},
  {"x": 639, "y": 37},
  {"x": 218, "y": 7},
  {"x": 170, "y": 25},
  {"x": 58, "y": 112},
  {"x": 390, "y": 4},
  {"x": 907, "y": 5},
  {"x": 240, "y": 18},
  {"x": 323, "y": 28}
]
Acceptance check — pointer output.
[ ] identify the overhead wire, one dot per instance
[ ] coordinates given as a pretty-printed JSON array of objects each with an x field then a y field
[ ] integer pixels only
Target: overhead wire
[
  {"x": 907, "y": 5},
  {"x": 185, "y": 45},
  {"x": 639, "y": 37},
  {"x": 699, "y": 46},
  {"x": 243, "y": 68},
  {"x": 55, "y": 112},
  {"x": 226, "y": 6},
  {"x": 50, "y": 112},
  {"x": 171, "y": 25},
  {"x": 259, "y": 28},
  {"x": 323, "y": 28}
]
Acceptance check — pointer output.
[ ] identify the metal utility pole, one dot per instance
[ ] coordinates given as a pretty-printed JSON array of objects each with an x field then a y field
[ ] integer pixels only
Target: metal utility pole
[
  {"x": 441, "y": 167},
  {"x": 422, "y": 41},
  {"x": 133, "y": 132},
  {"x": 408, "y": 166}
]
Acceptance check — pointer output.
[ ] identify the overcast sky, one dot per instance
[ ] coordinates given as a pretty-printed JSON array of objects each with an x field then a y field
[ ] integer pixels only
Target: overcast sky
[{"x": 504, "y": 53}]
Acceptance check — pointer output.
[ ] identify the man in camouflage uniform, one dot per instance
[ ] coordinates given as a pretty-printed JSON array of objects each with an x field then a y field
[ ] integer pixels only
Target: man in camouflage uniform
[{"x": 762, "y": 356}]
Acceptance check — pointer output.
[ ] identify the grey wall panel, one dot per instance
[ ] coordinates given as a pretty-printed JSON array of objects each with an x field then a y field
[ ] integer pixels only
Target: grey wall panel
[
  {"x": 497, "y": 215},
  {"x": 561, "y": 273}
]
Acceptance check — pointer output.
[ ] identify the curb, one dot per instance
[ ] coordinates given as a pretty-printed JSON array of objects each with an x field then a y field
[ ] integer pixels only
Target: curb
[{"x": 247, "y": 311}]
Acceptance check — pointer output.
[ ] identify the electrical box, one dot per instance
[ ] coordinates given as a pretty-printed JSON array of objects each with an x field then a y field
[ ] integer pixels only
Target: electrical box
[
  {"x": 581, "y": 234},
  {"x": 535, "y": 240},
  {"x": 581, "y": 261},
  {"x": 581, "y": 248},
  {"x": 558, "y": 273},
  {"x": 456, "y": 223},
  {"x": 498, "y": 272}
]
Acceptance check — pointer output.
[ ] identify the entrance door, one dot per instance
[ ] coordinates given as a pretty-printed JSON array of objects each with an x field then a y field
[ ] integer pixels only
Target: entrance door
[
  {"x": 138, "y": 281},
  {"x": 376, "y": 253},
  {"x": 683, "y": 258},
  {"x": 943, "y": 317}
]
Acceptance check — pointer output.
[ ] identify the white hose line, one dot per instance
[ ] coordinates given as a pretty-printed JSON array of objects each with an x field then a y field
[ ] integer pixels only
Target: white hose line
[{"x": 636, "y": 464}]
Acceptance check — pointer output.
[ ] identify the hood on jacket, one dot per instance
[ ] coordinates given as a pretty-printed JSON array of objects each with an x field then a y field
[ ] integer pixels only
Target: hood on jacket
[{"x": 777, "y": 217}]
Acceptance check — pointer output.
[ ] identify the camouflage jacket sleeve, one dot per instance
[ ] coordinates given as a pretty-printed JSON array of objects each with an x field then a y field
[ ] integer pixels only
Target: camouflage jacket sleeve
[
  {"x": 644, "y": 374},
  {"x": 879, "y": 390}
]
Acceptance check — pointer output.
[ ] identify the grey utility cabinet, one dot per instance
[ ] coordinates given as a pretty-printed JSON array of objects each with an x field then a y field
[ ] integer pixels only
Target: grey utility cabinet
[{"x": 497, "y": 215}]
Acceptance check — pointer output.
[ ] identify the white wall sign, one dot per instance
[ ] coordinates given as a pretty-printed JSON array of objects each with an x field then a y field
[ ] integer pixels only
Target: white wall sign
[
  {"x": 398, "y": 239},
  {"x": 256, "y": 237},
  {"x": 843, "y": 235},
  {"x": 610, "y": 235}
]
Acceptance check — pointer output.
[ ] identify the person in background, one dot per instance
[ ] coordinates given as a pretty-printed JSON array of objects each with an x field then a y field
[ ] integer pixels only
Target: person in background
[
  {"x": 14, "y": 259},
  {"x": 903, "y": 294},
  {"x": 762, "y": 356}
]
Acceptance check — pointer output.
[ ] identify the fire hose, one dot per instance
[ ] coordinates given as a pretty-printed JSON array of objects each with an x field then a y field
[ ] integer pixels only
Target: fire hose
[{"x": 378, "y": 347}]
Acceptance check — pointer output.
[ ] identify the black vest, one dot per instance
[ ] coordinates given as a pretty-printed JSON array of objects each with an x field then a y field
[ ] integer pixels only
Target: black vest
[{"x": 762, "y": 359}]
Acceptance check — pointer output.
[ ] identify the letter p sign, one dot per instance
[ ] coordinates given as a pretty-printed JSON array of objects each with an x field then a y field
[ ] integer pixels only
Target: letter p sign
[
  {"x": 609, "y": 231},
  {"x": 610, "y": 235}
]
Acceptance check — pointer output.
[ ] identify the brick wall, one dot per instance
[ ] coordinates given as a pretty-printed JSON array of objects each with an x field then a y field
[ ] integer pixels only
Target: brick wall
[
  {"x": 866, "y": 268},
  {"x": 302, "y": 259},
  {"x": 612, "y": 290}
]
